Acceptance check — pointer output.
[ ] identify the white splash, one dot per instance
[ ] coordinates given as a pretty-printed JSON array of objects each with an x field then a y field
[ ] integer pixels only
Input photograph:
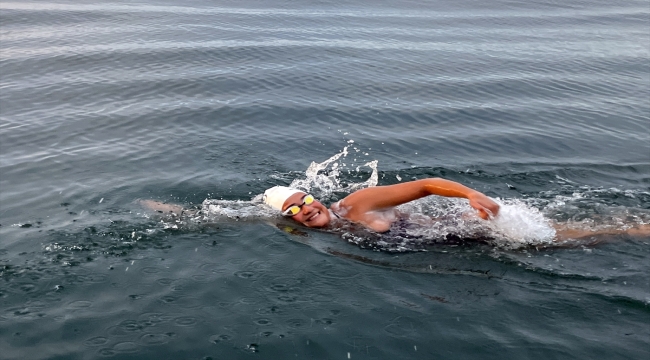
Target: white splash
[
  {"x": 521, "y": 224},
  {"x": 517, "y": 225},
  {"x": 323, "y": 179},
  {"x": 235, "y": 209}
]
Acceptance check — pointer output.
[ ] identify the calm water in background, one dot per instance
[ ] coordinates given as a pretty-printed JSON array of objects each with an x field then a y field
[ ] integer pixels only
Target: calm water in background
[{"x": 103, "y": 104}]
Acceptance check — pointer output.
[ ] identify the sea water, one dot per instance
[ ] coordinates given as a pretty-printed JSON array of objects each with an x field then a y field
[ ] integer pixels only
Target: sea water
[{"x": 540, "y": 105}]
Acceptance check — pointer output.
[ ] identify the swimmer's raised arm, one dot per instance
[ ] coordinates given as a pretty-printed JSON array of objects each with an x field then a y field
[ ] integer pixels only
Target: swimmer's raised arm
[{"x": 383, "y": 197}]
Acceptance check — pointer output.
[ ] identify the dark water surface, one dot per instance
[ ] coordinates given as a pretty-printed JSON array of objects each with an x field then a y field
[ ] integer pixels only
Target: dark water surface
[{"x": 104, "y": 103}]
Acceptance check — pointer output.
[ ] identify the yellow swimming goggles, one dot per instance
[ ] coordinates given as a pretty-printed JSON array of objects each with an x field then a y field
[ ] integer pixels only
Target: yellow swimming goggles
[{"x": 295, "y": 209}]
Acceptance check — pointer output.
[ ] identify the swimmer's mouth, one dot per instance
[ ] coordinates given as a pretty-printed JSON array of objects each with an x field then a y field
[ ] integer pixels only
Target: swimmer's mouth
[{"x": 311, "y": 218}]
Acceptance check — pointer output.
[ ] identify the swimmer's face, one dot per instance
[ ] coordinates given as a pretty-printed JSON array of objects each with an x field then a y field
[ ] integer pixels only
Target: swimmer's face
[{"x": 314, "y": 215}]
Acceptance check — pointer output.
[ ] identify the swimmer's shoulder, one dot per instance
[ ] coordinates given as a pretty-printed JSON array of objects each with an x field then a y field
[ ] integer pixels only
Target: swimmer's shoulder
[
  {"x": 336, "y": 209},
  {"x": 373, "y": 220}
]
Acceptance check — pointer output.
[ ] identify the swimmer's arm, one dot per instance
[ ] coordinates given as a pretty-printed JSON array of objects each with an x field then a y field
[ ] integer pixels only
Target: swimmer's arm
[
  {"x": 382, "y": 197},
  {"x": 564, "y": 232}
]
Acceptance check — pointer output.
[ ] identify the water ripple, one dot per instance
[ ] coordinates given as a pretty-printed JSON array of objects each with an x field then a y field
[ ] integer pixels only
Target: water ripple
[{"x": 101, "y": 104}]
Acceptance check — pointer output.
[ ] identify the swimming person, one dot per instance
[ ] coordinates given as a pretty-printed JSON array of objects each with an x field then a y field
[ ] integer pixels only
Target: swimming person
[
  {"x": 372, "y": 207},
  {"x": 375, "y": 208}
]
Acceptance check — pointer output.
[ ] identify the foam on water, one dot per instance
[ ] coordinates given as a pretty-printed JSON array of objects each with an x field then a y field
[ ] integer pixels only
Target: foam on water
[
  {"x": 521, "y": 224},
  {"x": 436, "y": 219},
  {"x": 236, "y": 209}
]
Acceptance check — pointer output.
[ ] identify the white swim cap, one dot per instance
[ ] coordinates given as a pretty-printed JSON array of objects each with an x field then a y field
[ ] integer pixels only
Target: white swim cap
[{"x": 277, "y": 195}]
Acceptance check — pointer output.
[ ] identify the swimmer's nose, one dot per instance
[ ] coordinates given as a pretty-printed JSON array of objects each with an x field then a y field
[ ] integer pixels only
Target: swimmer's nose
[{"x": 306, "y": 209}]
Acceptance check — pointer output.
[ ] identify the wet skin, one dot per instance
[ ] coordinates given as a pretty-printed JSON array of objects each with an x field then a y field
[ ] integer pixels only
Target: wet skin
[{"x": 314, "y": 215}]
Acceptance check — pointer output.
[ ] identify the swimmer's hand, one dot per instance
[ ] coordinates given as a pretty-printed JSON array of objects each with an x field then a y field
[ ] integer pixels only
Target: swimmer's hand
[{"x": 487, "y": 208}]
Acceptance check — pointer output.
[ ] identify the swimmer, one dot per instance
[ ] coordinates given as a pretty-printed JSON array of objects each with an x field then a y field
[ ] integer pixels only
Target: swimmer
[
  {"x": 374, "y": 207},
  {"x": 371, "y": 207}
]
